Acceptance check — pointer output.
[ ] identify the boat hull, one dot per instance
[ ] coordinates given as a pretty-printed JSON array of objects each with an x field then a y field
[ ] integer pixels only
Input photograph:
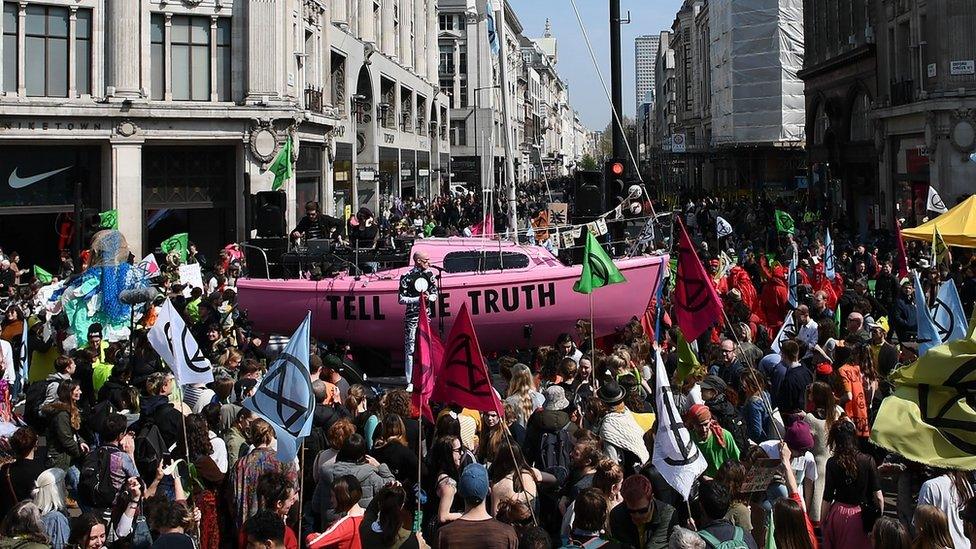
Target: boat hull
[{"x": 364, "y": 311}]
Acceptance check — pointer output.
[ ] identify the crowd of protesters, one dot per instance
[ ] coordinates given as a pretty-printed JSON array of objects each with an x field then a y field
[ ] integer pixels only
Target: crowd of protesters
[{"x": 103, "y": 449}]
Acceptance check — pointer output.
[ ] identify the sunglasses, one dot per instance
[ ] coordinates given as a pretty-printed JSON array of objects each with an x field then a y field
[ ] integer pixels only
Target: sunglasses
[{"x": 643, "y": 511}]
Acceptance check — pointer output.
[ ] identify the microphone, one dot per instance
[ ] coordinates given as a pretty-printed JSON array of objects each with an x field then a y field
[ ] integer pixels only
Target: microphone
[
  {"x": 137, "y": 296},
  {"x": 435, "y": 267}
]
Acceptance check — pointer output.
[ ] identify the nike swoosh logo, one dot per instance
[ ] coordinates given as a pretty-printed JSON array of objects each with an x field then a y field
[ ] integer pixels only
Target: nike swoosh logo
[{"x": 21, "y": 182}]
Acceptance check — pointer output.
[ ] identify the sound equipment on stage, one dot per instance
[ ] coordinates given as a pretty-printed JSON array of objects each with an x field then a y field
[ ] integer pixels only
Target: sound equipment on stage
[
  {"x": 318, "y": 246},
  {"x": 268, "y": 213},
  {"x": 589, "y": 196}
]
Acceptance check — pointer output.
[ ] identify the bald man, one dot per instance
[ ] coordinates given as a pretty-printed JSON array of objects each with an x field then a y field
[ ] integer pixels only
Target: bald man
[{"x": 418, "y": 280}]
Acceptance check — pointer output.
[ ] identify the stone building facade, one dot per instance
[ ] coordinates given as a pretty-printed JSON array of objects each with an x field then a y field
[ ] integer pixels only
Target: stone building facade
[{"x": 170, "y": 111}]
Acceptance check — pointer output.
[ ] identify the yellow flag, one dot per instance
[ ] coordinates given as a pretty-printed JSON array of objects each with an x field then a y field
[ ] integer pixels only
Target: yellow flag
[
  {"x": 940, "y": 251},
  {"x": 928, "y": 419}
]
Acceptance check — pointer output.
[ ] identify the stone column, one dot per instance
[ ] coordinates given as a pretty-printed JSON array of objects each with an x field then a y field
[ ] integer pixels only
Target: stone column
[
  {"x": 420, "y": 36},
  {"x": 126, "y": 194},
  {"x": 406, "y": 48},
  {"x": 386, "y": 16},
  {"x": 433, "y": 50},
  {"x": 123, "y": 47},
  {"x": 262, "y": 30}
]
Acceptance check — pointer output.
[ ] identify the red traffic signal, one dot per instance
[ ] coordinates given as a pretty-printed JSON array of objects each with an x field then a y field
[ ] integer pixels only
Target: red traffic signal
[{"x": 617, "y": 168}]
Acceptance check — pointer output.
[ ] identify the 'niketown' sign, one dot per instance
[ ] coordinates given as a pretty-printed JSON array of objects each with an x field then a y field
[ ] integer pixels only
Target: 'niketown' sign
[{"x": 49, "y": 125}]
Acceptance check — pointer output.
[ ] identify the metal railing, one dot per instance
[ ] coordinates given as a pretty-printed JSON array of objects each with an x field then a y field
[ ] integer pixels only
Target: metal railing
[{"x": 314, "y": 99}]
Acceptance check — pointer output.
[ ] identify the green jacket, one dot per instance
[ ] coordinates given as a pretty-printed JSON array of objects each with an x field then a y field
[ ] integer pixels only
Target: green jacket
[{"x": 62, "y": 440}]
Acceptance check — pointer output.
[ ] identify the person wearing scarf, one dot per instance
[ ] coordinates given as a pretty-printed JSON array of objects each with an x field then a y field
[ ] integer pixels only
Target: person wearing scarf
[{"x": 715, "y": 443}]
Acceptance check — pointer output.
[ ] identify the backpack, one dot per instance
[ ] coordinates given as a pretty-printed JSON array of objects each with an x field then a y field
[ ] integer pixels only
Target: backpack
[
  {"x": 732, "y": 422},
  {"x": 150, "y": 448},
  {"x": 95, "y": 488},
  {"x": 36, "y": 393},
  {"x": 554, "y": 450},
  {"x": 737, "y": 541}
]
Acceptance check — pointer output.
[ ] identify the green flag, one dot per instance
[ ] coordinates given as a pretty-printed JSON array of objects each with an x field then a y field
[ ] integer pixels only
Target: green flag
[
  {"x": 282, "y": 166},
  {"x": 178, "y": 242},
  {"x": 598, "y": 268},
  {"x": 784, "y": 223},
  {"x": 42, "y": 276},
  {"x": 837, "y": 320},
  {"x": 770, "y": 531},
  {"x": 109, "y": 220},
  {"x": 687, "y": 359}
]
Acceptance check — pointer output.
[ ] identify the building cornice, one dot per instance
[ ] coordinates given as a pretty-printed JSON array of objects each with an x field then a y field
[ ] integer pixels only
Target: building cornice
[{"x": 838, "y": 61}]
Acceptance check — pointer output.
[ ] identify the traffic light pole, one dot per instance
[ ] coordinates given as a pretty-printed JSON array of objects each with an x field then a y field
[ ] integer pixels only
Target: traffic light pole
[{"x": 619, "y": 148}]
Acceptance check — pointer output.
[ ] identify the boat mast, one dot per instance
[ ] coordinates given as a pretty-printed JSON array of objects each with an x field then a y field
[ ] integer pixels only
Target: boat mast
[{"x": 506, "y": 120}]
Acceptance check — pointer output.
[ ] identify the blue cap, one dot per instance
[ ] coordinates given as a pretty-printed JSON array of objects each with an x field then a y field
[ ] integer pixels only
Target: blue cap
[{"x": 474, "y": 483}]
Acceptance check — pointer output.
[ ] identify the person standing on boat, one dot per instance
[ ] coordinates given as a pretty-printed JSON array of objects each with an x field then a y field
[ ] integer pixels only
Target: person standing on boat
[{"x": 418, "y": 280}]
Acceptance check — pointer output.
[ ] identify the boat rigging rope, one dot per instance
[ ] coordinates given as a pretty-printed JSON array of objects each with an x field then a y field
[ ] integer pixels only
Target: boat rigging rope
[{"x": 606, "y": 90}]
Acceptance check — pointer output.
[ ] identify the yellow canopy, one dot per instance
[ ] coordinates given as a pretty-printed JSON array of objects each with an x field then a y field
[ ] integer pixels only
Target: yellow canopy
[{"x": 957, "y": 226}]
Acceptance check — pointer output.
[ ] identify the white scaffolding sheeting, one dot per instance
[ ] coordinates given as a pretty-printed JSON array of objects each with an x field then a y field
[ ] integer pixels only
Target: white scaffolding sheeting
[{"x": 756, "y": 50}]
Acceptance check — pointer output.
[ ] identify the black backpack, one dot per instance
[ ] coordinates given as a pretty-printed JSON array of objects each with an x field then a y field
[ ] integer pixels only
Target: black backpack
[
  {"x": 150, "y": 449},
  {"x": 95, "y": 488},
  {"x": 554, "y": 450},
  {"x": 35, "y": 395},
  {"x": 733, "y": 423}
]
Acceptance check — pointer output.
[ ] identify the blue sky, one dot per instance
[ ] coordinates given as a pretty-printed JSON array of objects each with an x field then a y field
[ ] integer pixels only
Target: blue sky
[{"x": 575, "y": 66}]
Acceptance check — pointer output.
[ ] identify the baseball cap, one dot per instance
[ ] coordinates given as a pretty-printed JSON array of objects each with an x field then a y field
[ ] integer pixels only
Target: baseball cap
[{"x": 473, "y": 485}]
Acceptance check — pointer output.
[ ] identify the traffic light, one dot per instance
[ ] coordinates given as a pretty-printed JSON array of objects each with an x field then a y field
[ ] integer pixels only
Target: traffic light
[{"x": 614, "y": 172}]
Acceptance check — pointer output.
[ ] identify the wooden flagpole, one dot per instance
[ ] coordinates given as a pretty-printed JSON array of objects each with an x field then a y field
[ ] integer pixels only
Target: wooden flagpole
[
  {"x": 592, "y": 345},
  {"x": 301, "y": 489}
]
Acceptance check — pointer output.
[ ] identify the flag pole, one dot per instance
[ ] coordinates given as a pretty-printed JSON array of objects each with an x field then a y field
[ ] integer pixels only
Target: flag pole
[
  {"x": 301, "y": 488},
  {"x": 592, "y": 345},
  {"x": 508, "y": 437},
  {"x": 418, "y": 516}
]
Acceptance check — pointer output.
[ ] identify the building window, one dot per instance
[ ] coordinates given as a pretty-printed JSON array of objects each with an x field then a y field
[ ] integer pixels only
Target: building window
[
  {"x": 820, "y": 125},
  {"x": 223, "y": 59},
  {"x": 83, "y": 51},
  {"x": 462, "y": 100},
  {"x": 338, "y": 80},
  {"x": 46, "y": 51},
  {"x": 447, "y": 61},
  {"x": 448, "y": 22},
  {"x": 191, "y": 58},
  {"x": 860, "y": 128},
  {"x": 459, "y": 135},
  {"x": 10, "y": 30},
  {"x": 157, "y": 56}
]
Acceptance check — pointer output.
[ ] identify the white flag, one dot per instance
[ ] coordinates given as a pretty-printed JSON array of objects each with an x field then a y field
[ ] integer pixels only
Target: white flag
[
  {"x": 722, "y": 227},
  {"x": 171, "y": 338},
  {"x": 676, "y": 456},
  {"x": 934, "y": 202},
  {"x": 786, "y": 332}
]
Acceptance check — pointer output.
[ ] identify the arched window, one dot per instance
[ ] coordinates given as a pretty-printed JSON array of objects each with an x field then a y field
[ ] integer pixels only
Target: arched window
[
  {"x": 820, "y": 125},
  {"x": 860, "y": 125}
]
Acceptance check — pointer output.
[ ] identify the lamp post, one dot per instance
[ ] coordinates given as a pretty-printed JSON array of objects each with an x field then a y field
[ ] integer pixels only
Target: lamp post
[{"x": 477, "y": 107}]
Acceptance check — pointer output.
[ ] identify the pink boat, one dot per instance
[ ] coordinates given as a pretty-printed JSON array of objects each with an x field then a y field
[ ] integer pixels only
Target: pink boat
[{"x": 519, "y": 295}]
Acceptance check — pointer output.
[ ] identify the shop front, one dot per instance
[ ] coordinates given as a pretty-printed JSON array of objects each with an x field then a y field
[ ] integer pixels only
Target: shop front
[
  {"x": 910, "y": 174},
  {"x": 342, "y": 181},
  {"x": 189, "y": 189},
  {"x": 308, "y": 178},
  {"x": 41, "y": 184}
]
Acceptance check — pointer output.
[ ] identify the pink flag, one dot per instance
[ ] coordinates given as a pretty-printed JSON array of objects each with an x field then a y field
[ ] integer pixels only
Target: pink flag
[
  {"x": 150, "y": 265},
  {"x": 428, "y": 354},
  {"x": 464, "y": 379},
  {"x": 696, "y": 303},
  {"x": 902, "y": 256},
  {"x": 484, "y": 227}
]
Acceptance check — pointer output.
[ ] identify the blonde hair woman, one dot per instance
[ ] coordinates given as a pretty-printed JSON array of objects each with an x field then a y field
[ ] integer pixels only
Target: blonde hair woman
[
  {"x": 48, "y": 495},
  {"x": 522, "y": 394}
]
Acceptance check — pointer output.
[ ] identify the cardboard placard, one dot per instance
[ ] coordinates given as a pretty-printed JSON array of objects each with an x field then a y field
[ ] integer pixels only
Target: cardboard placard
[{"x": 761, "y": 474}]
